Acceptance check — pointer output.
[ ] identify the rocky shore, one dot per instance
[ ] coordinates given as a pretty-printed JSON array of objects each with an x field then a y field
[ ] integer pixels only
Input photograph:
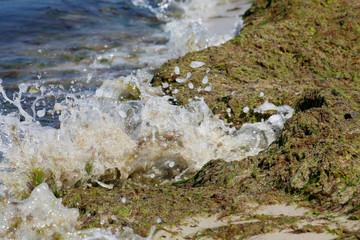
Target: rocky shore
[{"x": 305, "y": 54}]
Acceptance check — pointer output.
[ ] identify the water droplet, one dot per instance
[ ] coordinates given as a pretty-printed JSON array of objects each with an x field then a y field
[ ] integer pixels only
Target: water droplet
[
  {"x": 205, "y": 80},
  {"x": 41, "y": 113},
  {"x": 196, "y": 64},
  {"x": 42, "y": 89},
  {"x": 89, "y": 77},
  {"x": 208, "y": 89},
  {"x": 122, "y": 114},
  {"x": 177, "y": 70},
  {"x": 23, "y": 87}
]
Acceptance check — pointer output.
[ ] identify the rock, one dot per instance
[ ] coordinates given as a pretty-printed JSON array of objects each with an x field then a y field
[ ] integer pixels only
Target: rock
[{"x": 310, "y": 64}]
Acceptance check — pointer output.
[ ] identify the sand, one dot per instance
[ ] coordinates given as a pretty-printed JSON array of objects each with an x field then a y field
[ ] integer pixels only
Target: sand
[{"x": 191, "y": 227}]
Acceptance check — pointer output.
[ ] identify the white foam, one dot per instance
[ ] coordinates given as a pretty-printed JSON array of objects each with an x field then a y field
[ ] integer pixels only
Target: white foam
[
  {"x": 205, "y": 80},
  {"x": 196, "y": 64},
  {"x": 208, "y": 88},
  {"x": 42, "y": 216},
  {"x": 188, "y": 35},
  {"x": 177, "y": 70},
  {"x": 127, "y": 127},
  {"x": 41, "y": 113},
  {"x": 38, "y": 217},
  {"x": 246, "y": 109},
  {"x": 182, "y": 80}
]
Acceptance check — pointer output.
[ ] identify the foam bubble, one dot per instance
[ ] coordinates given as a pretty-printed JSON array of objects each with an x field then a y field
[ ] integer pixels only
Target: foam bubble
[
  {"x": 41, "y": 113},
  {"x": 165, "y": 85},
  {"x": 205, "y": 80},
  {"x": 182, "y": 80},
  {"x": 23, "y": 87},
  {"x": 196, "y": 64},
  {"x": 177, "y": 70}
]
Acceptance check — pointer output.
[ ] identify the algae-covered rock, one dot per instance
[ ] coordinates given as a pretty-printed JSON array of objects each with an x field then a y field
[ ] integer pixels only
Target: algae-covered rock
[{"x": 301, "y": 53}]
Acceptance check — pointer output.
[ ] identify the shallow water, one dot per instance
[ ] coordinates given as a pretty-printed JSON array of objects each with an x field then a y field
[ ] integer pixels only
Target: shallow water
[
  {"x": 73, "y": 46},
  {"x": 86, "y": 68}
]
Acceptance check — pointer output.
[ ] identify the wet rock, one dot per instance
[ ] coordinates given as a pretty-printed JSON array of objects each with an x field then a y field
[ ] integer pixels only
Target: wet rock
[{"x": 311, "y": 65}]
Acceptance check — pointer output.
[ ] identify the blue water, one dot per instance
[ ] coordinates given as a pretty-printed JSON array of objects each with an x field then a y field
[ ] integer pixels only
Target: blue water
[
  {"x": 45, "y": 33},
  {"x": 73, "y": 46},
  {"x": 53, "y": 42}
]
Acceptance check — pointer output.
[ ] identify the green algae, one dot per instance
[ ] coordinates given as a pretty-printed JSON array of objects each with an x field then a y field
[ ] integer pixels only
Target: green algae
[
  {"x": 301, "y": 53},
  {"x": 263, "y": 225},
  {"x": 35, "y": 177},
  {"x": 143, "y": 207},
  {"x": 310, "y": 64}
]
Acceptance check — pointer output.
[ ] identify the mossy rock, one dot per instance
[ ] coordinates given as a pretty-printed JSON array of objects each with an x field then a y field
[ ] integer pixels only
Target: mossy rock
[
  {"x": 304, "y": 54},
  {"x": 301, "y": 53}
]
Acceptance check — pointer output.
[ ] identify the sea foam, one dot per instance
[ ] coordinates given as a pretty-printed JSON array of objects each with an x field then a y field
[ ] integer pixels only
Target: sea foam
[{"x": 128, "y": 128}]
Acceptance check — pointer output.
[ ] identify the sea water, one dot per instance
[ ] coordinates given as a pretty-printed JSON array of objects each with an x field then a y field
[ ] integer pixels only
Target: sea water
[{"x": 77, "y": 103}]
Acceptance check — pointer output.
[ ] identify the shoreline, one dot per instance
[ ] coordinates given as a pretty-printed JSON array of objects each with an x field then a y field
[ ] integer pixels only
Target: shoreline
[{"x": 311, "y": 65}]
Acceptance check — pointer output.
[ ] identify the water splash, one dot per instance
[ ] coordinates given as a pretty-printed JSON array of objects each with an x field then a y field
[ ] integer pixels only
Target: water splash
[
  {"x": 42, "y": 216},
  {"x": 129, "y": 128}
]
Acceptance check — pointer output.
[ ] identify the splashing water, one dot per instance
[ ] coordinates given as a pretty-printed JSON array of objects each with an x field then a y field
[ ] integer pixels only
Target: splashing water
[
  {"x": 42, "y": 216},
  {"x": 127, "y": 128}
]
